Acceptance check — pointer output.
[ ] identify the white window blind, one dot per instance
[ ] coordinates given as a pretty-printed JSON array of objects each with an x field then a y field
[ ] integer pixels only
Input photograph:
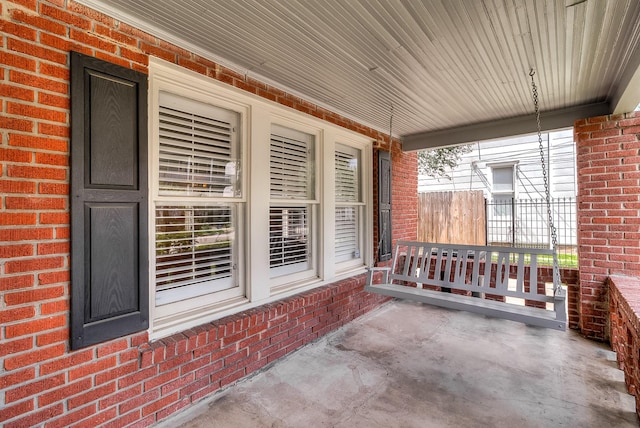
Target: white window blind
[
  {"x": 288, "y": 236},
  {"x": 197, "y": 153},
  {"x": 346, "y": 247},
  {"x": 347, "y": 218},
  {"x": 291, "y": 165},
  {"x": 347, "y": 179},
  {"x": 291, "y": 178}
]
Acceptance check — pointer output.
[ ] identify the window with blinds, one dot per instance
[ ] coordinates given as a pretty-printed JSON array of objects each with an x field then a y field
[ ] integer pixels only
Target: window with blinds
[
  {"x": 348, "y": 203},
  {"x": 291, "y": 167},
  {"x": 197, "y": 149},
  {"x": 347, "y": 246},
  {"x": 288, "y": 236},
  {"x": 347, "y": 174},
  {"x": 194, "y": 246},
  {"x": 224, "y": 237},
  {"x": 195, "y": 216}
]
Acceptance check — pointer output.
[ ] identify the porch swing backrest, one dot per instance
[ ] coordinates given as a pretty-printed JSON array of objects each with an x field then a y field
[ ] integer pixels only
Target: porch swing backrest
[{"x": 502, "y": 282}]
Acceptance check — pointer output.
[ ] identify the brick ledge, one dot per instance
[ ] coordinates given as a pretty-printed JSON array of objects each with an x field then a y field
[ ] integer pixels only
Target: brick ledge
[{"x": 624, "y": 329}]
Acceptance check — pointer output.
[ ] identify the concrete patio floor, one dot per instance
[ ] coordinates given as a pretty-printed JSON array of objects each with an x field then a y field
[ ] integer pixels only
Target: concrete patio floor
[{"x": 413, "y": 365}]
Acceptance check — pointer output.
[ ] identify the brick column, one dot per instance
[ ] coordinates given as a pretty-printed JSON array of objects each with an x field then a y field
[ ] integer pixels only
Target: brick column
[
  {"x": 404, "y": 194},
  {"x": 608, "y": 158}
]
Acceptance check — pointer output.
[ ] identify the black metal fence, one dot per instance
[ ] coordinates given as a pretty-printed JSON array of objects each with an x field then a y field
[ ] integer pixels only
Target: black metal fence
[{"x": 524, "y": 223}]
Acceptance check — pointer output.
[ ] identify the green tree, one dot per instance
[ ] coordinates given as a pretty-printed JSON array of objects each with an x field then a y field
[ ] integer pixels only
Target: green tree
[{"x": 439, "y": 162}]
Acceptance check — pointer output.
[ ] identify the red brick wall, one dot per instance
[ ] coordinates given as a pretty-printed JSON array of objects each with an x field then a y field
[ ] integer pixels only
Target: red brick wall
[
  {"x": 570, "y": 278},
  {"x": 608, "y": 157},
  {"x": 127, "y": 380},
  {"x": 130, "y": 380},
  {"x": 404, "y": 200}
]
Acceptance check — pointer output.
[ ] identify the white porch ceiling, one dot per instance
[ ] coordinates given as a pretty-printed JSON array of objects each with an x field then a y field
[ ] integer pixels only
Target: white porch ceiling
[{"x": 453, "y": 70}]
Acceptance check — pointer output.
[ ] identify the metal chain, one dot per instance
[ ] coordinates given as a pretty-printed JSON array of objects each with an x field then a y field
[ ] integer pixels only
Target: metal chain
[{"x": 552, "y": 227}]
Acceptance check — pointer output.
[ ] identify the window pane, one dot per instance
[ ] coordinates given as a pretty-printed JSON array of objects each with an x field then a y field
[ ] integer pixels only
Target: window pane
[
  {"x": 288, "y": 236},
  {"x": 291, "y": 165},
  {"x": 347, "y": 175},
  {"x": 194, "y": 246},
  {"x": 503, "y": 179},
  {"x": 198, "y": 154},
  {"x": 347, "y": 234}
]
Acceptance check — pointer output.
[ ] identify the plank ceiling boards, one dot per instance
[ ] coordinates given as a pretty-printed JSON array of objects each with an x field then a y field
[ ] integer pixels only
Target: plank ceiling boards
[{"x": 444, "y": 65}]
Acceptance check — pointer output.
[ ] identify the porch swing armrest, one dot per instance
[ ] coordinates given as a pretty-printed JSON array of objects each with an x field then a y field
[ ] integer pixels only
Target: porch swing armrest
[{"x": 372, "y": 270}]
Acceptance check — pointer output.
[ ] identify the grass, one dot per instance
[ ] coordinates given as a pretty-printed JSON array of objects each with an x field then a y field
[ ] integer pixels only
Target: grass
[{"x": 564, "y": 260}]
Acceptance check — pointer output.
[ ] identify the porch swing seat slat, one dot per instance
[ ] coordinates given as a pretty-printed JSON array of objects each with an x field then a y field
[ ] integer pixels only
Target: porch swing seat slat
[{"x": 461, "y": 277}]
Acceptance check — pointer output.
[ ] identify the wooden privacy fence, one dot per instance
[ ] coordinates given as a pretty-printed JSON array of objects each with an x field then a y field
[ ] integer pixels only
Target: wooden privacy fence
[{"x": 452, "y": 217}]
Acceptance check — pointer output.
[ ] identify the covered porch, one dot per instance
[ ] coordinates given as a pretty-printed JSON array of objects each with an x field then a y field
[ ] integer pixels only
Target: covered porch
[
  {"x": 411, "y": 365},
  {"x": 87, "y": 340}
]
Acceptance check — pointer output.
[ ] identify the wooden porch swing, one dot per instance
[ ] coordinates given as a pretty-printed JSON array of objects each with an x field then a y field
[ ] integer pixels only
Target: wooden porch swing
[{"x": 503, "y": 282}]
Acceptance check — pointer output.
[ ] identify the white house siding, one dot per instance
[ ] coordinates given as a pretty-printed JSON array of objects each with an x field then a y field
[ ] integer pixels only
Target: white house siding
[
  {"x": 474, "y": 172},
  {"x": 525, "y": 151}
]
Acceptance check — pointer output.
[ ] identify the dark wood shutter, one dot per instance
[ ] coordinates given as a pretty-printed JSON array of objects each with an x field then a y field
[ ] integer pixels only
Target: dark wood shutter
[
  {"x": 109, "y": 196},
  {"x": 384, "y": 206}
]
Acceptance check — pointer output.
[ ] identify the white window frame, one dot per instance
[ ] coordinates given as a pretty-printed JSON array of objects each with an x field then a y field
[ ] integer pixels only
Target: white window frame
[
  {"x": 307, "y": 270},
  {"x": 181, "y": 111},
  {"x": 165, "y": 306},
  {"x": 258, "y": 116},
  {"x": 513, "y": 166}
]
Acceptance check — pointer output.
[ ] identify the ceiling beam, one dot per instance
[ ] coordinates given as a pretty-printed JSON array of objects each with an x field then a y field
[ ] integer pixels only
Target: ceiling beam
[
  {"x": 626, "y": 97},
  {"x": 550, "y": 120}
]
